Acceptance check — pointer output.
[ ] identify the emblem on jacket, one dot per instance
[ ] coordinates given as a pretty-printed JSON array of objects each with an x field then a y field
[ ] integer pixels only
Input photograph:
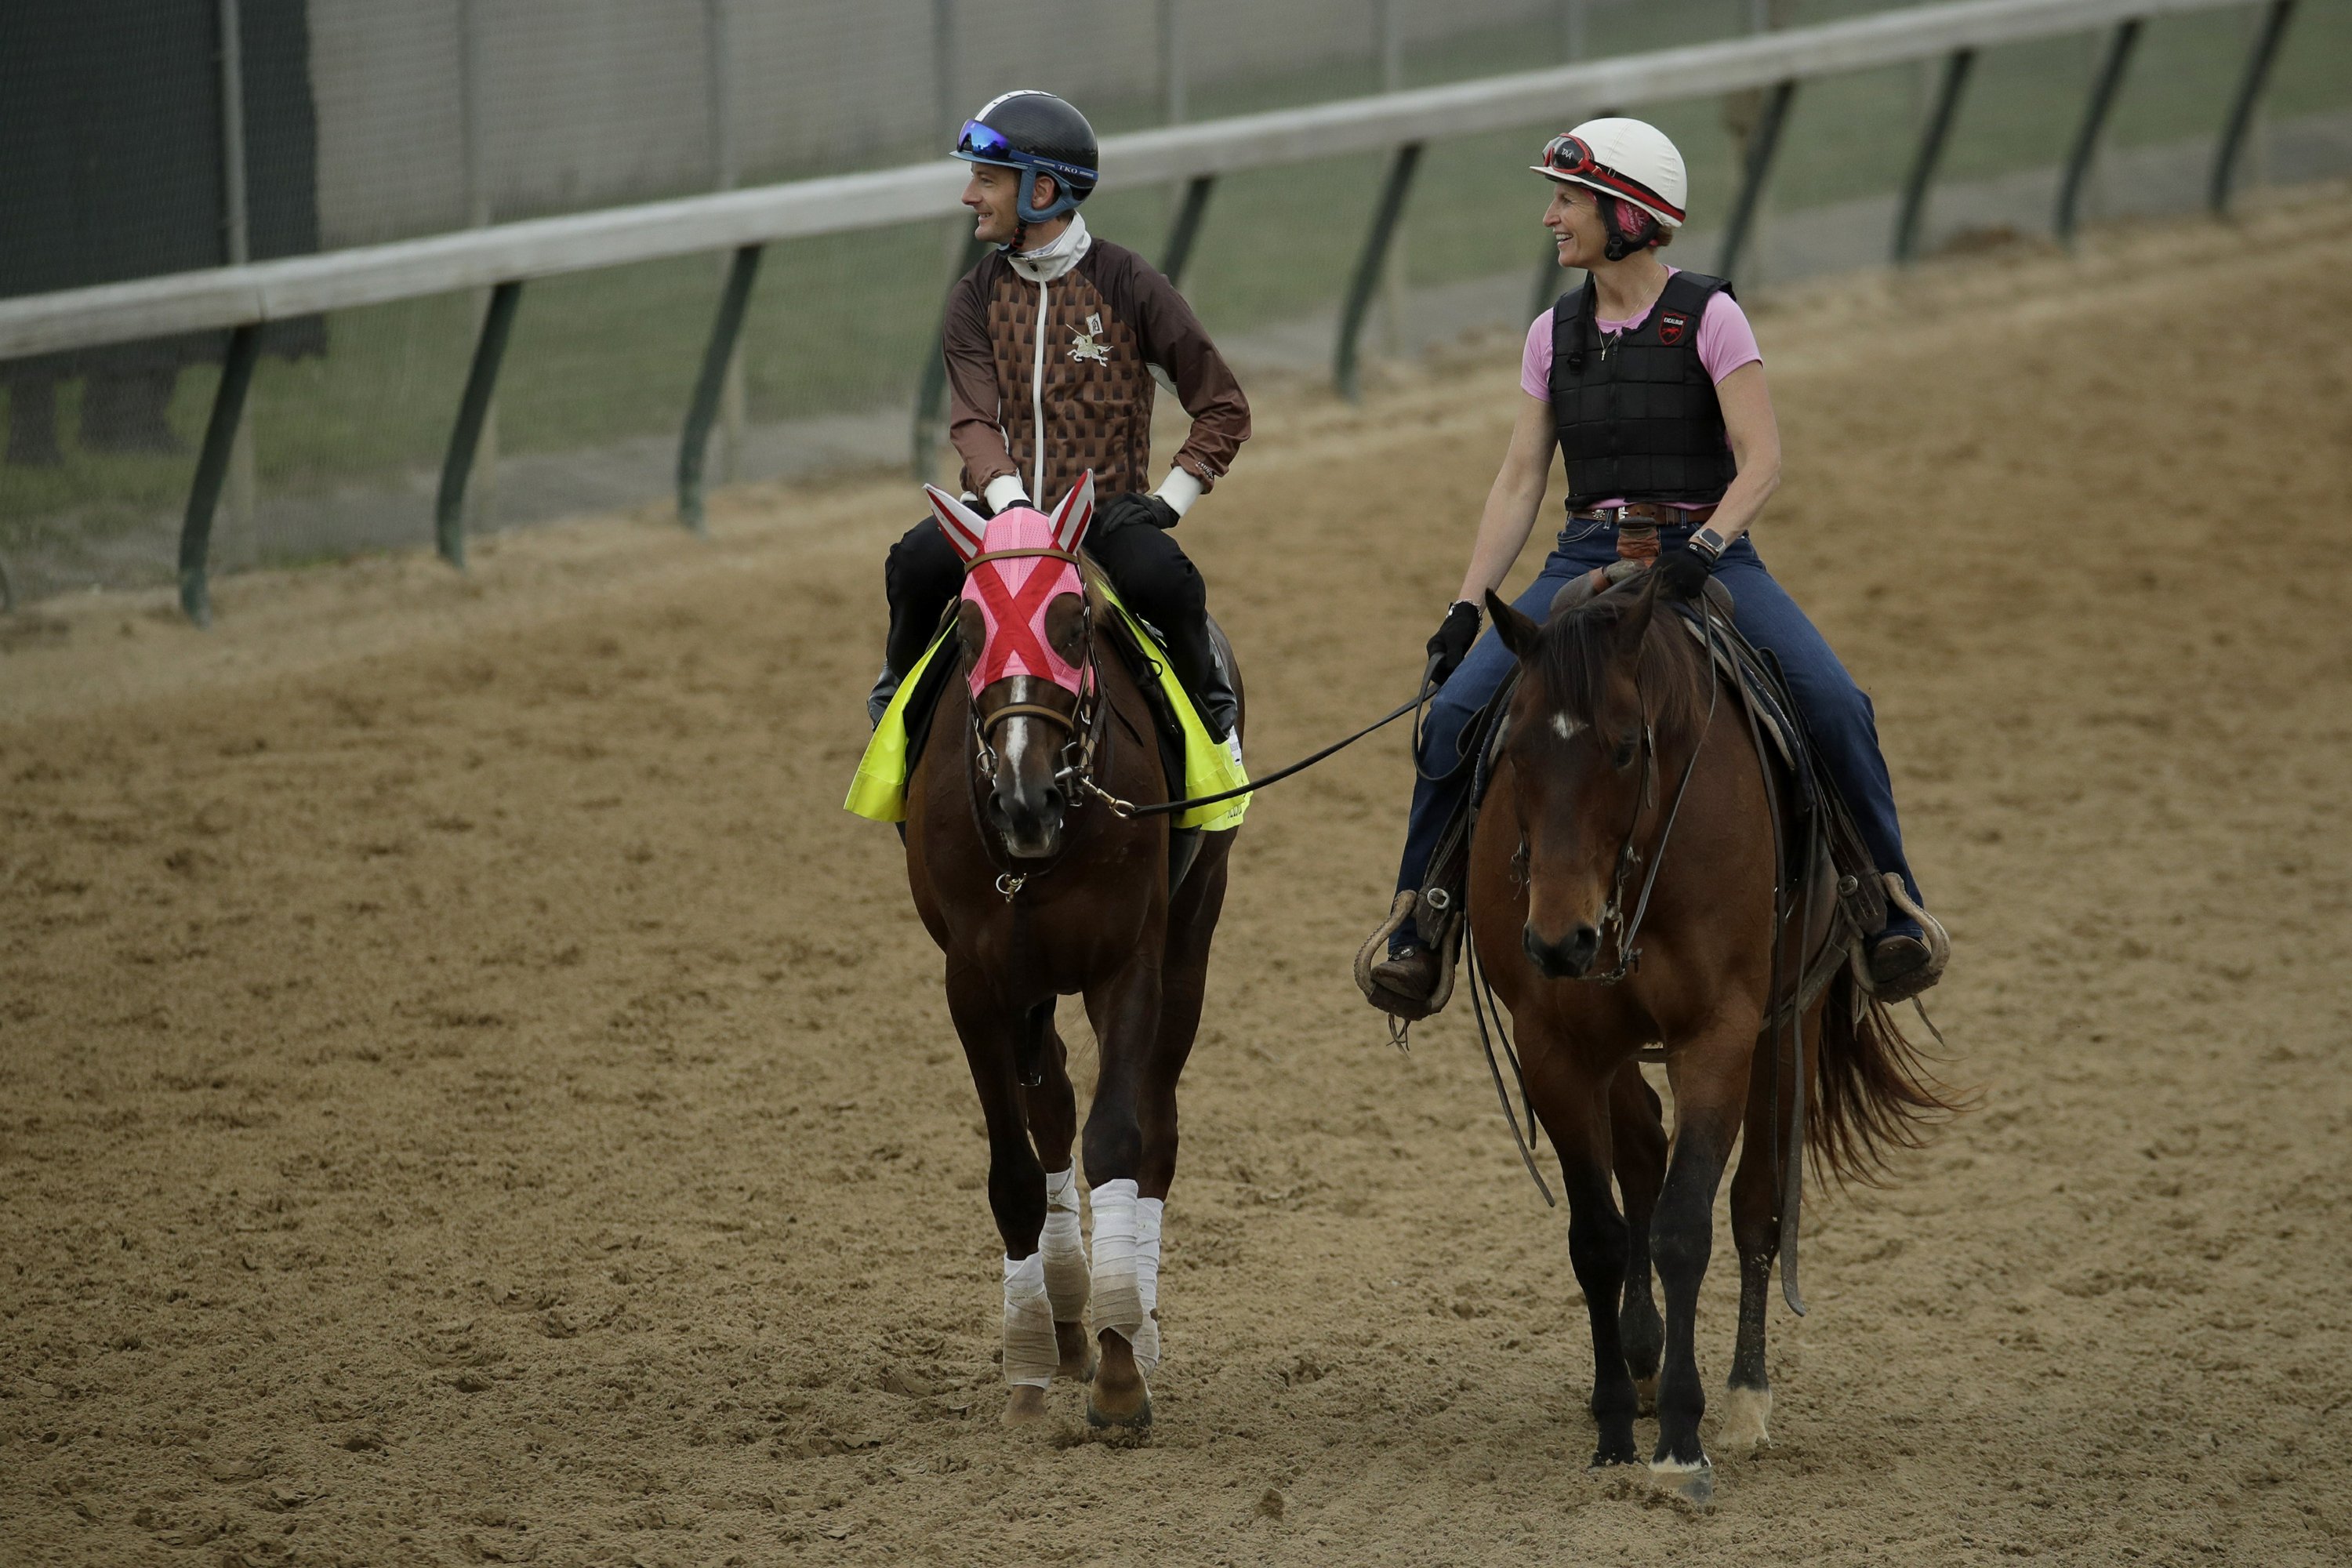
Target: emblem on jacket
[
  {"x": 1672, "y": 325},
  {"x": 1088, "y": 344}
]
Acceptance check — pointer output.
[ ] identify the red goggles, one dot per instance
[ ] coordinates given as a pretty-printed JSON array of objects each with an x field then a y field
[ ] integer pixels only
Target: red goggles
[{"x": 1566, "y": 157}]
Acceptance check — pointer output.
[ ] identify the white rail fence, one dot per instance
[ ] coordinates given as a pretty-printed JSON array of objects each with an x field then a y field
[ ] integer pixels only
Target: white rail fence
[{"x": 504, "y": 257}]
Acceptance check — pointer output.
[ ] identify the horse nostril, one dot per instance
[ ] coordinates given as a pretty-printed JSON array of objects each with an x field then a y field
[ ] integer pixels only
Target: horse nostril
[{"x": 1570, "y": 958}]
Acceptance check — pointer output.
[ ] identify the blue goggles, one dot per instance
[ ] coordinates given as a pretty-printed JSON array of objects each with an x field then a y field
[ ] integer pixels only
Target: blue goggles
[{"x": 986, "y": 144}]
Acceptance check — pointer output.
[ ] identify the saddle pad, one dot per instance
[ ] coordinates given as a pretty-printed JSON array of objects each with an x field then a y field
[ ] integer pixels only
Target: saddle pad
[{"x": 1209, "y": 768}]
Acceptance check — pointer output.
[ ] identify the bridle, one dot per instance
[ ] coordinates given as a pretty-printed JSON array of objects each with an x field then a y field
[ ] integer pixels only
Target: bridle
[
  {"x": 1615, "y": 921},
  {"x": 1082, "y": 728}
]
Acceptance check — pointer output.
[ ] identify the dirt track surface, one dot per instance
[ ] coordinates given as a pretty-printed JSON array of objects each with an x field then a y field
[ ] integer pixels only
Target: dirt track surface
[{"x": 466, "y": 1092}]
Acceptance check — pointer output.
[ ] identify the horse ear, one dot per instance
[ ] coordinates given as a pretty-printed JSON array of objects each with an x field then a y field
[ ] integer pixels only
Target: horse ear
[
  {"x": 1519, "y": 633},
  {"x": 1076, "y": 512},
  {"x": 965, "y": 529},
  {"x": 1635, "y": 624}
]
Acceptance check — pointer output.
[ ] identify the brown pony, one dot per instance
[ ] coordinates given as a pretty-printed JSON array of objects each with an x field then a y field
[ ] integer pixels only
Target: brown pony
[
  {"x": 1624, "y": 775},
  {"x": 1036, "y": 890}
]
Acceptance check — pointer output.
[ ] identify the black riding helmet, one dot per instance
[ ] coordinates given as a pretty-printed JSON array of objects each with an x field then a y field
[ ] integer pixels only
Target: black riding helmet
[{"x": 1036, "y": 133}]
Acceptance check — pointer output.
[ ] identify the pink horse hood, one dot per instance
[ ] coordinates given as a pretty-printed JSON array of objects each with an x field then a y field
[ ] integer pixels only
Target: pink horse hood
[
  {"x": 1011, "y": 597},
  {"x": 1013, "y": 594}
]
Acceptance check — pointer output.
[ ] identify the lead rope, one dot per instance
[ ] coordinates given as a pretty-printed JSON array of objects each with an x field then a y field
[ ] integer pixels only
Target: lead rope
[{"x": 1127, "y": 808}]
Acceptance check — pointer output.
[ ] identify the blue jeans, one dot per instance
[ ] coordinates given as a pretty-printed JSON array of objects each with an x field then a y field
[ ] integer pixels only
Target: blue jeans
[{"x": 1844, "y": 726}]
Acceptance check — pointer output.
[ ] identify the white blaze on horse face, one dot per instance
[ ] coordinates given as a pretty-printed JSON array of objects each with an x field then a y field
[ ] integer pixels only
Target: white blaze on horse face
[
  {"x": 1565, "y": 726},
  {"x": 1016, "y": 746}
]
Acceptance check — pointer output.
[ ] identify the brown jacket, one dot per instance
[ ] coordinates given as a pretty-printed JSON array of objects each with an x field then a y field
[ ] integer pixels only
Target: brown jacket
[{"x": 1108, "y": 319}]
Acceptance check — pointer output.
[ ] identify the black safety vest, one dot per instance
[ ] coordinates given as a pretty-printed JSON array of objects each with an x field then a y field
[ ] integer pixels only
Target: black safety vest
[{"x": 1637, "y": 417}]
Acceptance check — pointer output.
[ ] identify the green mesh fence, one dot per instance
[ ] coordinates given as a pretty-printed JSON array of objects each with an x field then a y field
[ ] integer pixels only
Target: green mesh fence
[{"x": 367, "y": 121}]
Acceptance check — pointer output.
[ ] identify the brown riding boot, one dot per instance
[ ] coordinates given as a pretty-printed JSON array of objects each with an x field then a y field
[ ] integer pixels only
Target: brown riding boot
[
  {"x": 1902, "y": 965},
  {"x": 1410, "y": 983},
  {"x": 1407, "y": 981}
]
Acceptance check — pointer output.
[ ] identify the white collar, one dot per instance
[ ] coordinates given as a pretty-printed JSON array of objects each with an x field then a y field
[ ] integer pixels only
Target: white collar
[{"x": 1048, "y": 262}]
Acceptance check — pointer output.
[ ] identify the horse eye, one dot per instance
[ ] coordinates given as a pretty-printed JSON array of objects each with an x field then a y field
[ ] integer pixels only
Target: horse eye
[{"x": 1623, "y": 757}]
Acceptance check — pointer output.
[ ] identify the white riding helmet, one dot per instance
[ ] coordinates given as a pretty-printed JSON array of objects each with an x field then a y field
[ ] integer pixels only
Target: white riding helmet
[{"x": 1628, "y": 158}]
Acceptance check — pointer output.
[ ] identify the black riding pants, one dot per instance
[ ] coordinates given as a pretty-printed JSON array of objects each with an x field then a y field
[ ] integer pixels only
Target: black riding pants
[{"x": 1147, "y": 566}]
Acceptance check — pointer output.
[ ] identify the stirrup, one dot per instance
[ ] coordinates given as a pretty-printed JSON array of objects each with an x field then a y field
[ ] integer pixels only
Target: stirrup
[
  {"x": 1403, "y": 1011},
  {"x": 1940, "y": 949}
]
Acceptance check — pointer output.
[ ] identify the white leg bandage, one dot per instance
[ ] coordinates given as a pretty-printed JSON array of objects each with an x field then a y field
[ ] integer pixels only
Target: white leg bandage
[
  {"x": 1029, "y": 1354},
  {"x": 1126, "y": 1268},
  {"x": 1145, "y": 1339},
  {"x": 1117, "y": 1297},
  {"x": 1064, "y": 1249}
]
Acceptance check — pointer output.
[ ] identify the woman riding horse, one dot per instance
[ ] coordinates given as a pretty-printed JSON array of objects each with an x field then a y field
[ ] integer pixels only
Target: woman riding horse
[{"x": 1649, "y": 382}]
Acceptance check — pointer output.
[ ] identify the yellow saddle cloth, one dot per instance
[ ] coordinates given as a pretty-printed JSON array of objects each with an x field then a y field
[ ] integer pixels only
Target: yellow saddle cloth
[{"x": 879, "y": 793}]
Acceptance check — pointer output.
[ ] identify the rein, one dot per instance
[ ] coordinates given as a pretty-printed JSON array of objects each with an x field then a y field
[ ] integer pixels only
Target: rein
[{"x": 1612, "y": 914}]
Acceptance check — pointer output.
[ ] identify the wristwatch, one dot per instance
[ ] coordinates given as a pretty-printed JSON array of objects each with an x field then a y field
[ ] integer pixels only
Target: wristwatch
[{"x": 1709, "y": 543}]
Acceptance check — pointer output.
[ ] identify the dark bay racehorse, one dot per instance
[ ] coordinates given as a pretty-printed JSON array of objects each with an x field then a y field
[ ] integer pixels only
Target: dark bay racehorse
[
  {"x": 1036, "y": 890},
  {"x": 1615, "y": 718}
]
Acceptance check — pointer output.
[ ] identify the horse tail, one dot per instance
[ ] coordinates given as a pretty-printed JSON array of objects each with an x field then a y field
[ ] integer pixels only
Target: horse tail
[{"x": 1871, "y": 1091}]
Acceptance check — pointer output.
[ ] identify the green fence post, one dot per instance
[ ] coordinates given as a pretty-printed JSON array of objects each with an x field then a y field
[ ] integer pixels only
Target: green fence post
[
  {"x": 2104, "y": 91},
  {"x": 1930, "y": 154},
  {"x": 481, "y": 381},
  {"x": 212, "y": 469},
  {"x": 1344, "y": 359},
  {"x": 1762, "y": 142},
  {"x": 1187, "y": 227},
  {"x": 734, "y": 301},
  {"x": 2241, "y": 111}
]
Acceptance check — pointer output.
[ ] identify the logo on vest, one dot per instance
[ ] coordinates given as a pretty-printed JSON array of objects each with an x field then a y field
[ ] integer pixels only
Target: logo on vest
[
  {"x": 1088, "y": 344},
  {"x": 1673, "y": 327}
]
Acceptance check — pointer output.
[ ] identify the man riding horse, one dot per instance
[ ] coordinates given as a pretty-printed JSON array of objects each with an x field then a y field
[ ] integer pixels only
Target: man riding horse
[
  {"x": 1050, "y": 343},
  {"x": 1046, "y": 854},
  {"x": 1648, "y": 381}
]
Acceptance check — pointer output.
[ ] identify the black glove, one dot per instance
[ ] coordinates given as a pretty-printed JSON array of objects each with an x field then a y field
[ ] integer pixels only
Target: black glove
[
  {"x": 1135, "y": 506},
  {"x": 1682, "y": 573},
  {"x": 1451, "y": 643}
]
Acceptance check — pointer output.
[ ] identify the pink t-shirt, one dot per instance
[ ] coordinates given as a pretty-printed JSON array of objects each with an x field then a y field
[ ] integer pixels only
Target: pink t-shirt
[{"x": 1726, "y": 342}]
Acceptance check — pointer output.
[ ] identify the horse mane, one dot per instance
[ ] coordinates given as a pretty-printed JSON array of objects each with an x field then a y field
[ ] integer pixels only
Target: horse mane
[{"x": 1575, "y": 649}]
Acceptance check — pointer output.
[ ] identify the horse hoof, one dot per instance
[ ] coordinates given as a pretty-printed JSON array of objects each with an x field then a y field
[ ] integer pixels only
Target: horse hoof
[
  {"x": 1608, "y": 1458},
  {"x": 1077, "y": 1353},
  {"x": 1745, "y": 1412},
  {"x": 1693, "y": 1483},
  {"x": 1120, "y": 1415},
  {"x": 1645, "y": 1395},
  {"x": 1026, "y": 1405}
]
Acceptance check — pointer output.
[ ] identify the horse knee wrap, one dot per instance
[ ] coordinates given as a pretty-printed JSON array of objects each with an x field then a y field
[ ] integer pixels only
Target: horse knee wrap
[
  {"x": 1030, "y": 1356},
  {"x": 1126, "y": 1268},
  {"x": 1063, "y": 1249}
]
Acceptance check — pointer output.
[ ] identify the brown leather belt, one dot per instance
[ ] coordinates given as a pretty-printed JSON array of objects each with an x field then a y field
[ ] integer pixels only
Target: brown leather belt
[{"x": 1642, "y": 511}]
